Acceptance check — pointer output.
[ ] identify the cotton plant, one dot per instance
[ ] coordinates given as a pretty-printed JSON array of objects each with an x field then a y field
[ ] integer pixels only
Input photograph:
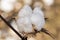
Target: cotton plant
[{"x": 27, "y": 17}]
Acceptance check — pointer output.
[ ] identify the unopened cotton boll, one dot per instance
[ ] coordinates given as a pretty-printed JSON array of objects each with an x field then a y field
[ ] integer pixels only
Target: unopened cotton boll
[
  {"x": 25, "y": 11},
  {"x": 48, "y": 2},
  {"x": 37, "y": 18},
  {"x": 24, "y": 25}
]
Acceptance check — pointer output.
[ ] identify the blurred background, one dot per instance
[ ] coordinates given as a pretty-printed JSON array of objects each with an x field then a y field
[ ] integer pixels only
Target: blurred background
[{"x": 52, "y": 13}]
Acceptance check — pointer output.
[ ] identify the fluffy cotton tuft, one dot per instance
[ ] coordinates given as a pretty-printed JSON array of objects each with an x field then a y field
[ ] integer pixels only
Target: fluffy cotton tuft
[
  {"x": 24, "y": 25},
  {"x": 25, "y": 11},
  {"x": 37, "y": 10},
  {"x": 24, "y": 21},
  {"x": 37, "y": 19}
]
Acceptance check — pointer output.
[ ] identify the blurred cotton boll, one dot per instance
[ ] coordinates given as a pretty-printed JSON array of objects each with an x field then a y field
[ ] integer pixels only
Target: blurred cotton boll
[
  {"x": 48, "y": 2},
  {"x": 7, "y": 6},
  {"x": 29, "y": 2},
  {"x": 37, "y": 18},
  {"x": 25, "y": 11}
]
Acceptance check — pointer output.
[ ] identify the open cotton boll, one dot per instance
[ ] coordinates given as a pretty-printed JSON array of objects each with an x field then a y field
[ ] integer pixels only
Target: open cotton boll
[
  {"x": 6, "y": 7},
  {"x": 28, "y": 26},
  {"x": 48, "y": 2},
  {"x": 38, "y": 19},
  {"x": 25, "y": 11},
  {"x": 29, "y": 2},
  {"x": 24, "y": 25},
  {"x": 37, "y": 10}
]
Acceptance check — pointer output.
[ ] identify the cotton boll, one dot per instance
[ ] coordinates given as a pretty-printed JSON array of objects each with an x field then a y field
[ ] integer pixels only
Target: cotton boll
[
  {"x": 23, "y": 20},
  {"x": 38, "y": 19},
  {"x": 28, "y": 25},
  {"x": 29, "y": 2},
  {"x": 48, "y": 2},
  {"x": 37, "y": 7},
  {"x": 6, "y": 7},
  {"x": 25, "y": 11},
  {"x": 24, "y": 25}
]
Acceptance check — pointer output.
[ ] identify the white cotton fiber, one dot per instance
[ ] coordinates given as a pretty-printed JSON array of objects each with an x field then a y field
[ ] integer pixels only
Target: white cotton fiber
[
  {"x": 25, "y": 11},
  {"x": 37, "y": 19}
]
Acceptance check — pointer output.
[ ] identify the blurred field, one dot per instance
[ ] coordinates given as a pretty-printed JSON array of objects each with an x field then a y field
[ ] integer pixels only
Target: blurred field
[{"x": 52, "y": 23}]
